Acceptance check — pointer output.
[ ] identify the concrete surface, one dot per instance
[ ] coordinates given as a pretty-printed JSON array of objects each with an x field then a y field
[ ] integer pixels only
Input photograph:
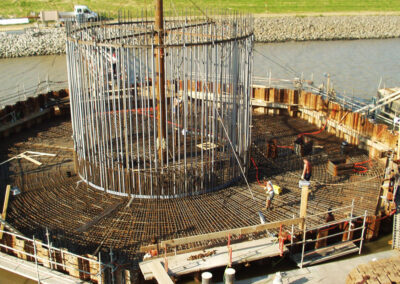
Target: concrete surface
[{"x": 328, "y": 273}]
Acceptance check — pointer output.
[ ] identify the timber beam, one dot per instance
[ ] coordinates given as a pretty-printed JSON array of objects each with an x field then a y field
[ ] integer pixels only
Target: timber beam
[{"x": 224, "y": 234}]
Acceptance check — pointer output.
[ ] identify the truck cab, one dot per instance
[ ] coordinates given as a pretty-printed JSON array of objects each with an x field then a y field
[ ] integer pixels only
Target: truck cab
[{"x": 84, "y": 14}]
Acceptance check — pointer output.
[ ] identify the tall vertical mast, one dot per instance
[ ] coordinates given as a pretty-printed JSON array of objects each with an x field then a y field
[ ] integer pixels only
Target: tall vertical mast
[{"x": 160, "y": 83}]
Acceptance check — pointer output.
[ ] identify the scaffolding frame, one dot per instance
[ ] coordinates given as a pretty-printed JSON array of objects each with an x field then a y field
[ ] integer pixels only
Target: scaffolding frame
[{"x": 350, "y": 220}]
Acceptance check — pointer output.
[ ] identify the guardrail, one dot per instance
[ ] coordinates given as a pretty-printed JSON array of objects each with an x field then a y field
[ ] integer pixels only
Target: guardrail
[
  {"x": 350, "y": 220},
  {"x": 84, "y": 268}
]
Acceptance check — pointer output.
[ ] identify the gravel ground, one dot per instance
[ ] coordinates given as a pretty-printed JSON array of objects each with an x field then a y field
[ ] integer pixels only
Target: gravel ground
[{"x": 267, "y": 29}]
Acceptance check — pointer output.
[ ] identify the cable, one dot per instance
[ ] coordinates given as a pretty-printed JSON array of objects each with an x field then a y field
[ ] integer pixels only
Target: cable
[
  {"x": 364, "y": 169},
  {"x": 315, "y": 132},
  {"x": 201, "y": 11},
  {"x": 305, "y": 133},
  {"x": 289, "y": 69},
  {"x": 233, "y": 148},
  {"x": 173, "y": 6},
  {"x": 234, "y": 152},
  {"x": 254, "y": 163}
]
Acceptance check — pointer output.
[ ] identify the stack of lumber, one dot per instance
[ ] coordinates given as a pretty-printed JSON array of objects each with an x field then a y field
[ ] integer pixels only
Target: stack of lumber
[
  {"x": 339, "y": 167},
  {"x": 380, "y": 271}
]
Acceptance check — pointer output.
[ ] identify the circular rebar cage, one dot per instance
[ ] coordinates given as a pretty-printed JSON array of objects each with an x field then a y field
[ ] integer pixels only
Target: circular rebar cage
[{"x": 161, "y": 113}]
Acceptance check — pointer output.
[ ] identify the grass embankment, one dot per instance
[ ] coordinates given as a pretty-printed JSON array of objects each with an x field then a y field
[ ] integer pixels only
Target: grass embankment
[{"x": 22, "y": 8}]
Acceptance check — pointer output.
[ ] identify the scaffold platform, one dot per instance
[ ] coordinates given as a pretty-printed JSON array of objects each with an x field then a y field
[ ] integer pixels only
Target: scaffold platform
[{"x": 192, "y": 262}]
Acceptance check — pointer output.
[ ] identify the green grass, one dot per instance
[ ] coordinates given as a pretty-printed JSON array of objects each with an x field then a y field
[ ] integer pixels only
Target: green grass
[
  {"x": 282, "y": 6},
  {"x": 21, "y": 8}
]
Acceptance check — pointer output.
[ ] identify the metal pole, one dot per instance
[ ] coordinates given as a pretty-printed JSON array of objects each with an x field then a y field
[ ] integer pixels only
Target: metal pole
[
  {"x": 48, "y": 245},
  {"x": 398, "y": 143},
  {"x": 351, "y": 219},
  {"x": 362, "y": 232},
  {"x": 304, "y": 245},
  {"x": 291, "y": 238},
  {"x": 36, "y": 262},
  {"x": 100, "y": 271}
]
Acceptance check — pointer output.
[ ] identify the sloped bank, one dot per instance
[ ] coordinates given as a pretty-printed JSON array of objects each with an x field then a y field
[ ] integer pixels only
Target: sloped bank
[
  {"x": 267, "y": 29},
  {"x": 296, "y": 28},
  {"x": 32, "y": 42}
]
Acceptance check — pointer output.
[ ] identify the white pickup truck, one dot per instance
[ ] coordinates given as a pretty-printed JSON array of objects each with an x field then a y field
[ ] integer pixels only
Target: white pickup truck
[{"x": 81, "y": 13}]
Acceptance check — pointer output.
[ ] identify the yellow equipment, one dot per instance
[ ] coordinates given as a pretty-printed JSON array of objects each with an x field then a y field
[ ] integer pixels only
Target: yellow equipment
[{"x": 277, "y": 189}]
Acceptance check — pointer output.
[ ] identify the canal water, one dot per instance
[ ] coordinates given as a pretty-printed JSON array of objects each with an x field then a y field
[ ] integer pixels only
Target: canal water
[{"x": 356, "y": 68}]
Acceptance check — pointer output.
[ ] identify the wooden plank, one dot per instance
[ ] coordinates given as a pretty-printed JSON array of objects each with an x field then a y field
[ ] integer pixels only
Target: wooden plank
[
  {"x": 159, "y": 273},
  {"x": 41, "y": 145},
  {"x": 108, "y": 211},
  {"x": 224, "y": 234},
  {"x": 303, "y": 205},
  {"x": 5, "y": 206},
  {"x": 22, "y": 155},
  {"x": 326, "y": 253},
  {"x": 330, "y": 248},
  {"x": 333, "y": 256}
]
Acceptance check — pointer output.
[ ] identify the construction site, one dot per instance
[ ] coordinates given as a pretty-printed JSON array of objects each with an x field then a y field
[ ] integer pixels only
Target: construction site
[{"x": 153, "y": 164}]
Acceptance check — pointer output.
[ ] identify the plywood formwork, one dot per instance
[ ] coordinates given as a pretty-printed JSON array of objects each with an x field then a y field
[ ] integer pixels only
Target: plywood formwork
[{"x": 353, "y": 127}]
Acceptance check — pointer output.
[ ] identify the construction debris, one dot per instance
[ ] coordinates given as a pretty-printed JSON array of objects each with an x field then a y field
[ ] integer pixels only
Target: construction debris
[{"x": 201, "y": 255}]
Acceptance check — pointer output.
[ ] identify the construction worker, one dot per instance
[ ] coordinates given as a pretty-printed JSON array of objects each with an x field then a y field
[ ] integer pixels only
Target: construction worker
[
  {"x": 152, "y": 252},
  {"x": 307, "y": 170},
  {"x": 299, "y": 145},
  {"x": 269, "y": 190}
]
